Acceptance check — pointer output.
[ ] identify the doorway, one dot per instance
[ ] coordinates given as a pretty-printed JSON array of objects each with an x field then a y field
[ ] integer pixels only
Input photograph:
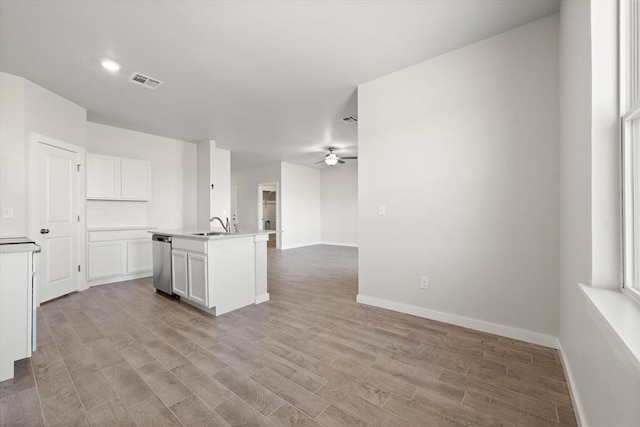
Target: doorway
[
  {"x": 56, "y": 185},
  {"x": 269, "y": 211}
]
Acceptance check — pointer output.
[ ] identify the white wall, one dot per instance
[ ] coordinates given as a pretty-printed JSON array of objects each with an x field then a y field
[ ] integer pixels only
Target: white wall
[
  {"x": 300, "y": 206},
  {"x": 463, "y": 151},
  {"x": 605, "y": 385},
  {"x": 204, "y": 151},
  {"x": 246, "y": 181},
  {"x": 339, "y": 200},
  {"x": 13, "y": 157},
  {"x": 26, "y": 108},
  {"x": 213, "y": 167},
  {"x": 221, "y": 178},
  {"x": 173, "y": 180}
]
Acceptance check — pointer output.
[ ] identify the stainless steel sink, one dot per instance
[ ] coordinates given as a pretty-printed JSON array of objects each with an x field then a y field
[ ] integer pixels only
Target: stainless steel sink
[{"x": 211, "y": 233}]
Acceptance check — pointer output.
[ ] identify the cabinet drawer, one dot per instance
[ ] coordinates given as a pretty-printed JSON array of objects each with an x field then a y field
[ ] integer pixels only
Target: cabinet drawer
[
  {"x": 106, "y": 236},
  {"x": 191, "y": 245}
]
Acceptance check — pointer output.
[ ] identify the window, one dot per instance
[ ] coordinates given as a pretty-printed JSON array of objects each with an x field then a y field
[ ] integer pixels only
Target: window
[{"x": 630, "y": 109}]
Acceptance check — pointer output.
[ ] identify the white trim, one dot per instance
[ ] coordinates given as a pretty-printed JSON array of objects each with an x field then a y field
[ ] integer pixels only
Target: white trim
[
  {"x": 573, "y": 393},
  {"x": 262, "y": 298},
  {"x": 304, "y": 245},
  {"x": 349, "y": 245},
  {"x": 466, "y": 322},
  {"x": 617, "y": 316},
  {"x": 116, "y": 279}
]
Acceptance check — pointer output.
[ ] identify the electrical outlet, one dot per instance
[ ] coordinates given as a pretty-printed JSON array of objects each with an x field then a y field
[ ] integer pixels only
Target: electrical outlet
[
  {"x": 7, "y": 212},
  {"x": 382, "y": 210},
  {"x": 424, "y": 282}
]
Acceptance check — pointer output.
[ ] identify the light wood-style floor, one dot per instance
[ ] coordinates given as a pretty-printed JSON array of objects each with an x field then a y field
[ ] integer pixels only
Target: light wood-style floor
[{"x": 122, "y": 355}]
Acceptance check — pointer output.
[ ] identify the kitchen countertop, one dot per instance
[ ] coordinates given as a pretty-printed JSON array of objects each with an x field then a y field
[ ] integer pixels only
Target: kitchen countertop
[
  {"x": 10, "y": 245},
  {"x": 190, "y": 233}
]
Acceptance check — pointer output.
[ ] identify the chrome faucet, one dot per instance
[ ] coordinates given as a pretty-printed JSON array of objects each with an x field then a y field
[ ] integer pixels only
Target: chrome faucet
[{"x": 227, "y": 227}]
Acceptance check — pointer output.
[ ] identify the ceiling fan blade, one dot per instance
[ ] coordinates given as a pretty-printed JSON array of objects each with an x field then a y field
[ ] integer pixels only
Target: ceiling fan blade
[
  {"x": 349, "y": 158},
  {"x": 321, "y": 161},
  {"x": 341, "y": 162}
]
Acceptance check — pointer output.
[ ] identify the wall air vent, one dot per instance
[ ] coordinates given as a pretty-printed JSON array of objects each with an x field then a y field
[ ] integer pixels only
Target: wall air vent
[
  {"x": 146, "y": 81},
  {"x": 349, "y": 119}
]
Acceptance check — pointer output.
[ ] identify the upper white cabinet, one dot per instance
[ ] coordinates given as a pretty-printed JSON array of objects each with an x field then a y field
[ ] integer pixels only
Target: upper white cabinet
[
  {"x": 135, "y": 179},
  {"x": 116, "y": 178}
]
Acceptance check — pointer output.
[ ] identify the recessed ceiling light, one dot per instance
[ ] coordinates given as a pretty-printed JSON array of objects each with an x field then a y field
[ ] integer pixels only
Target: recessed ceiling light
[{"x": 110, "y": 65}]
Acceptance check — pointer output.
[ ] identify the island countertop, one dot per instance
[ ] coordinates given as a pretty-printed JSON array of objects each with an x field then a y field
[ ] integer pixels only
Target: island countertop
[{"x": 192, "y": 233}]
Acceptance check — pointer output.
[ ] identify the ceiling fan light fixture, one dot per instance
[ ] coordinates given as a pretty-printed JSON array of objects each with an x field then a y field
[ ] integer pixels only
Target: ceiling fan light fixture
[{"x": 331, "y": 159}]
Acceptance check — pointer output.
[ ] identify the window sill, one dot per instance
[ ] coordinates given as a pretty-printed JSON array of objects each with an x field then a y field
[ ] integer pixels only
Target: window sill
[{"x": 621, "y": 315}]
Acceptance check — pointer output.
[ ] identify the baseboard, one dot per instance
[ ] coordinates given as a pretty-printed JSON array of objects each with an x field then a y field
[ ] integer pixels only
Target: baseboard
[
  {"x": 262, "y": 298},
  {"x": 466, "y": 322},
  {"x": 568, "y": 374},
  {"x": 348, "y": 245},
  {"x": 304, "y": 245},
  {"x": 116, "y": 279}
]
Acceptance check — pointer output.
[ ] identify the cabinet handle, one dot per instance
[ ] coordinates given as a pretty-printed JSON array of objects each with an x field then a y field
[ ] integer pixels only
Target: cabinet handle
[{"x": 44, "y": 231}]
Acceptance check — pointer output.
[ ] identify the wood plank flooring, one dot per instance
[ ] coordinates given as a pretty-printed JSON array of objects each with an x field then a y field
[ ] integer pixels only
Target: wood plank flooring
[{"x": 121, "y": 354}]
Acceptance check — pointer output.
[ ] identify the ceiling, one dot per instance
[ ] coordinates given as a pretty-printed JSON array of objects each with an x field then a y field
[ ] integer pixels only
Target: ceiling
[{"x": 266, "y": 79}]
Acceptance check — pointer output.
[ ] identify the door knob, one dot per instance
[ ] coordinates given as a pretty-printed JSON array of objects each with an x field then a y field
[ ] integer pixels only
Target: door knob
[{"x": 44, "y": 231}]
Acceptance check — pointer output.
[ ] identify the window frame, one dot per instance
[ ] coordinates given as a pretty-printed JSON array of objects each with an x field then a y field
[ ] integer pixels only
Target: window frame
[{"x": 629, "y": 57}]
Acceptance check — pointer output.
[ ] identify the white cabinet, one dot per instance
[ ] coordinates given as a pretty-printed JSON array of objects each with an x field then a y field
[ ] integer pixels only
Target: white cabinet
[
  {"x": 16, "y": 309},
  {"x": 106, "y": 259},
  {"x": 118, "y": 255},
  {"x": 189, "y": 276},
  {"x": 116, "y": 178},
  {"x": 139, "y": 256},
  {"x": 103, "y": 177},
  {"x": 198, "y": 283},
  {"x": 179, "y": 273},
  {"x": 135, "y": 179}
]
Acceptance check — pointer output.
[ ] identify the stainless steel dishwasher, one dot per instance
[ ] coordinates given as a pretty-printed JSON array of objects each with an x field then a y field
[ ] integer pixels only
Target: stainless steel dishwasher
[{"x": 162, "y": 263}]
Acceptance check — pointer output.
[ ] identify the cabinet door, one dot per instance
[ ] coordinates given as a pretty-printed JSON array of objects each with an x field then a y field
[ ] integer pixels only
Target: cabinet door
[
  {"x": 198, "y": 278},
  {"x": 14, "y": 311},
  {"x": 139, "y": 256},
  {"x": 103, "y": 177},
  {"x": 106, "y": 259},
  {"x": 135, "y": 183},
  {"x": 179, "y": 273}
]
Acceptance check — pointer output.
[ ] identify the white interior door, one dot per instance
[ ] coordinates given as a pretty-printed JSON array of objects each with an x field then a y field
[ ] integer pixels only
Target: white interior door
[{"x": 58, "y": 221}]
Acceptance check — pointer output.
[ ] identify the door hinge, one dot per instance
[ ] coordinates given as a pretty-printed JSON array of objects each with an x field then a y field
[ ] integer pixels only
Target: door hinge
[
  {"x": 78, "y": 167},
  {"x": 78, "y": 218},
  {"x": 78, "y": 267}
]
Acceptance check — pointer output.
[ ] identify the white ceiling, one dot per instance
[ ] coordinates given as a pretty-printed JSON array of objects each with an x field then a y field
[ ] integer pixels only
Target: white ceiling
[{"x": 266, "y": 79}]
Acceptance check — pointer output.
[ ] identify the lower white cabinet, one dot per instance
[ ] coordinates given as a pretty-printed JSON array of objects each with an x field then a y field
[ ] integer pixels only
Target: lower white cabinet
[
  {"x": 16, "y": 309},
  {"x": 139, "y": 256},
  {"x": 179, "y": 280},
  {"x": 198, "y": 283},
  {"x": 189, "y": 276},
  {"x": 106, "y": 259},
  {"x": 118, "y": 255}
]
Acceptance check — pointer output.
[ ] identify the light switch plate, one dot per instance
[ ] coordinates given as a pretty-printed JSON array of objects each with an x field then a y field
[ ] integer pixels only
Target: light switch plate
[{"x": 382, "y": 210}]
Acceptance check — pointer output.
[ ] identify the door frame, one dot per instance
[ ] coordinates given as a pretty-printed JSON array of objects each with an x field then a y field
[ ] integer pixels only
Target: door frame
[
  {"x": 32, "y": 200},
  {"x": 259, "y": 213}
]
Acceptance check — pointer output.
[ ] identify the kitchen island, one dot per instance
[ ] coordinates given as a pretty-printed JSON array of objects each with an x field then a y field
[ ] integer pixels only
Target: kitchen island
[{"x": 216, "y": 271}]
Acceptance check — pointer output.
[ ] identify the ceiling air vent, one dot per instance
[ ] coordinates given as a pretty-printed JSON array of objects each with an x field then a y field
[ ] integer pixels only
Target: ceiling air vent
[
  {"x": 349, "y": 119},
  {"x": 146, "y": 81}
]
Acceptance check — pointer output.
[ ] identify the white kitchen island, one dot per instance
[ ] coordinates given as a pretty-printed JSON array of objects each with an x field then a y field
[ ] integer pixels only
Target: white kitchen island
[{"x": 221, "y": 272}]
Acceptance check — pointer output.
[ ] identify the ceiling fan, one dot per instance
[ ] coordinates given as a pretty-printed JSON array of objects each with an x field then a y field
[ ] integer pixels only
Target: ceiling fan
[{"x": 332, "y": 158}]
